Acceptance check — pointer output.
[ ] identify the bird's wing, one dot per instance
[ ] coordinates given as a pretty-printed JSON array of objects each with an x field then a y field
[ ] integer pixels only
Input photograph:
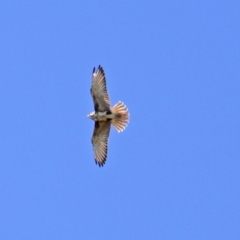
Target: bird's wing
[
  {"x": 100, "y": 141},
  {"x": 99, "y": 91}
]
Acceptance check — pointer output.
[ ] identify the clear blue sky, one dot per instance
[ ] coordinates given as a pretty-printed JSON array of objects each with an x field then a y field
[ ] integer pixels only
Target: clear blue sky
[{"x": 174, "y": 173}]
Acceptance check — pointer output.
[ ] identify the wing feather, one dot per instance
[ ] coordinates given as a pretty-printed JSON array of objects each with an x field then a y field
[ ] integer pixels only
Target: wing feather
[
  {"x": 100, "y": 142},
  {"x": 99, "y": 91}
]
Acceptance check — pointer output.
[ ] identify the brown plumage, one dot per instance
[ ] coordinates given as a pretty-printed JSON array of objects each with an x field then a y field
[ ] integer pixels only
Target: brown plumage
[{"x": 104, "y": 116}]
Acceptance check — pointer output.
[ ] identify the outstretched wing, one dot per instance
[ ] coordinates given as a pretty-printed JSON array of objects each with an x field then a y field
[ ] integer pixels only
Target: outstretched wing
[
  {"x": 99, "y": 91},
  {"x": 100, "y": 141}
]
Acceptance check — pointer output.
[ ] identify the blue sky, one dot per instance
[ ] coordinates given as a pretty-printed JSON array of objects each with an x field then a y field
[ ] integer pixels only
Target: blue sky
[{"x": 173, "y": 173}]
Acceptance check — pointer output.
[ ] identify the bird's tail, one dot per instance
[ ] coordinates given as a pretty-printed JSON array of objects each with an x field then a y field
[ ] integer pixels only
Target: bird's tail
[{"x": 121, "y": 116}]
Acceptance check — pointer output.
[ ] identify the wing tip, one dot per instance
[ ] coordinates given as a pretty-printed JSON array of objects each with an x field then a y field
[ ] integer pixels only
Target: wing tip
[
  {"x": 100, "y": 164},
  {"x": 99, "y": 69}
]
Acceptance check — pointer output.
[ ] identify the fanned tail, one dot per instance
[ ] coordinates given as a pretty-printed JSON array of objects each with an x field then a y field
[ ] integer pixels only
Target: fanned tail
[{"x": 121, "y": 116}]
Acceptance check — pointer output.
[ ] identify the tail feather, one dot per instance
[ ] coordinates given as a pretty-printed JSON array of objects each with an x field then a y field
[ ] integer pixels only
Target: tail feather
[{"x": 121, "y": 119}]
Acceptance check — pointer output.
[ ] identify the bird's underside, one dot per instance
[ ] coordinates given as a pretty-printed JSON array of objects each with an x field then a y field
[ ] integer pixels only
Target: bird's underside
[{"x": 104, "y": 116}]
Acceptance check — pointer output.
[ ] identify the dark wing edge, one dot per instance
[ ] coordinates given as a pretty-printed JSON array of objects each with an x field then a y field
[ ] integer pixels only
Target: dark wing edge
[
  {"x": 98, "y": 90},
  {"x": 100, "y": 141}
]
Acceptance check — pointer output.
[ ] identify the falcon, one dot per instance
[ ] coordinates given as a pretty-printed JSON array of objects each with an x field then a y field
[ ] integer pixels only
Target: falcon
[{"x": 104, "y": 116}]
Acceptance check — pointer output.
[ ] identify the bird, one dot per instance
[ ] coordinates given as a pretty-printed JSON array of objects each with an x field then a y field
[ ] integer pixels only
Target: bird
[{"x": 104, "y": 116}]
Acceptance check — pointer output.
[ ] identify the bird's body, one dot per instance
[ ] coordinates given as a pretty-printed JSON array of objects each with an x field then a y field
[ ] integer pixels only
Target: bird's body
[
  {"x": 101, "y": 116},
  {"x": 104, "y": 116}
]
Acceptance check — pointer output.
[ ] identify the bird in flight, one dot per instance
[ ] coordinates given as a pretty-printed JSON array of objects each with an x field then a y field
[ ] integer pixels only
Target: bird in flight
[{"x": 104, "y": 116}]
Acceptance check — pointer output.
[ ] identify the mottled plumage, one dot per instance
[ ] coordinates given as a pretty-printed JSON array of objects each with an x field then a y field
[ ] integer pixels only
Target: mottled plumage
[
  {"x": 99, "y": 91},
  {"x": 104, "y": 116}
]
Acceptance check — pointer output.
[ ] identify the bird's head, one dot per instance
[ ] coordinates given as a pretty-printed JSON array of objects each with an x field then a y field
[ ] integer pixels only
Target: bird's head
[{"x": 91, "y": 115}]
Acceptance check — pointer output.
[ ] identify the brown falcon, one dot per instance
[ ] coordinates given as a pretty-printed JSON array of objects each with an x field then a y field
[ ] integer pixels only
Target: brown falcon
[{"x": 104, "y": 116}]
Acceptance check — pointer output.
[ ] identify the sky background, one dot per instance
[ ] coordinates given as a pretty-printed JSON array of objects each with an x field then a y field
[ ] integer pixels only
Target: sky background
[{"x": 173, "y": 173}]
